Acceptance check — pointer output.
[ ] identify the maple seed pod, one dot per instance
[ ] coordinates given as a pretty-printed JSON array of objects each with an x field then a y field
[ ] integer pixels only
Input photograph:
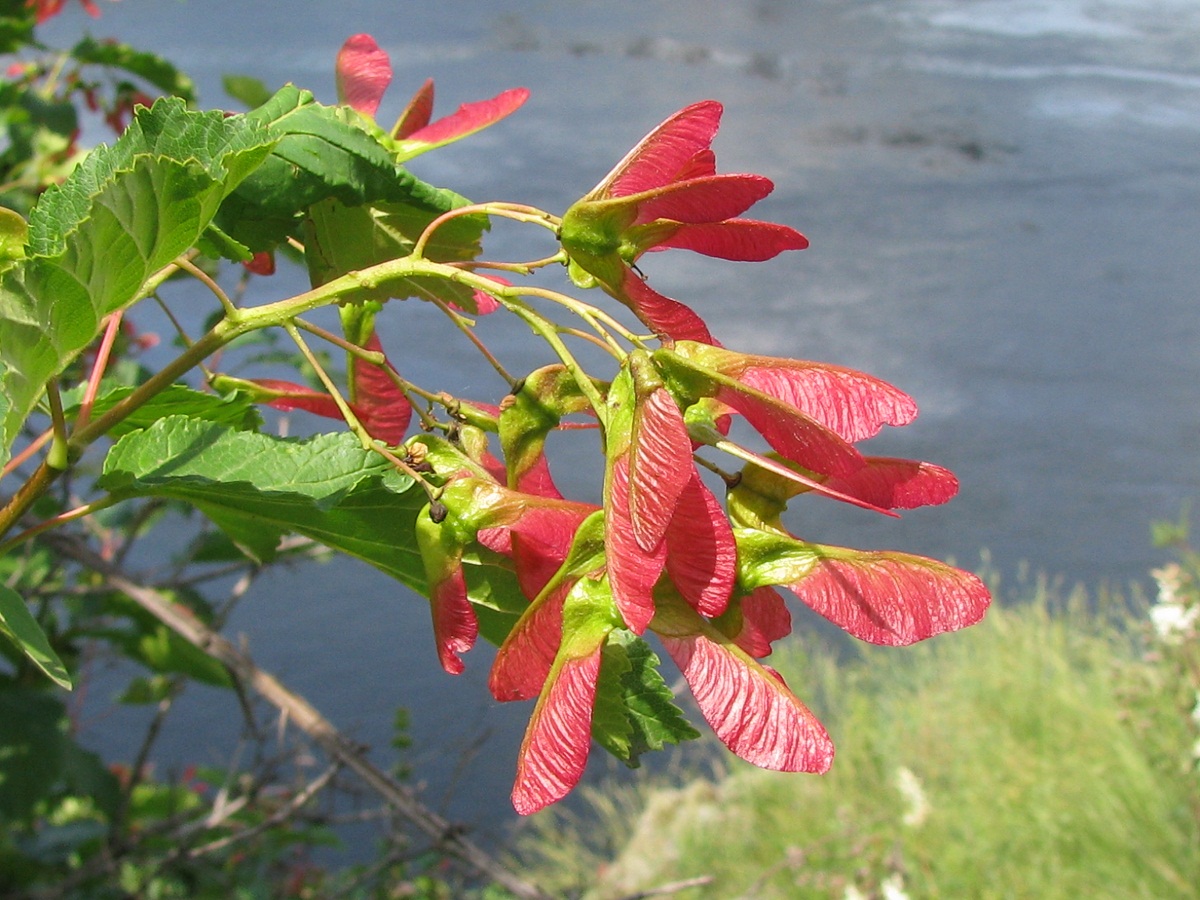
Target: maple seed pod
[{"x": 417, "y": 453}]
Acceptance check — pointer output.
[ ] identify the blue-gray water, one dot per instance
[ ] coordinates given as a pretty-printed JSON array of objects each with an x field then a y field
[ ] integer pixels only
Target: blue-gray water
[{"x": 1003, "y": 200}]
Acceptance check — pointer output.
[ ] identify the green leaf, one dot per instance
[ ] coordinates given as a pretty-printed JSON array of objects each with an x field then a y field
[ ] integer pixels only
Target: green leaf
[
  {"x": 258, "y": 488},
  {"x": 246, "y": 89},
  {"x": 16, "y": 31},
  {"x": 635, "y": 711},
  {"x": 40, "y": 760},
  {"x": 20, "y": 627},
  {"x": 235, "y": 410},
  {"x": 97, "y": 239},
  {"x": 344, "y": 239},
  {"x": 31, "y": 749},
  {"x": 322, "y": 152},
  {"x": 14, "y": 231},
  {"x": 147, "y": 66},
  {"x": 159, "y": 649}
]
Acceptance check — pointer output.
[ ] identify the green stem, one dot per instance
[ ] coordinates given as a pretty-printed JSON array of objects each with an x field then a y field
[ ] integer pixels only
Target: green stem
[
  {"x": 205, "y": 279},
  {"x": 58, "y": 457},
  {"x": 238, "y": 322},
  {"x": 515, "y": 211},
  {"x": 549, "y": 333},
  {"x": 53, "y": 522},
  {"x": 463, "y": 324},
  {"x": 343, "y": 407},
  {"x": 27, "y": 494},
  {"x": 510, "y": 297}
]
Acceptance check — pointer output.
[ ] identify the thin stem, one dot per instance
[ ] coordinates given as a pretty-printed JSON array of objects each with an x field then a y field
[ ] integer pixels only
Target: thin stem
[
  {"x": 279, "y": 816},
  {"x": 730, "y": 478},
  {"x": 70, "y": 515},
  {"x": 374, "y": 357},
  {"x": 138, "y": 770},
  {"x": 301, "y": 714},
  {"x": 591, "y": 339},
  {"x": 515, "y": 211},
  {"x": 179, "y": 329},
  {"x": 236, "y": 323},
  {"x": 25, "y": 496},
  {"x": 431, "y": 491},
  {"x": 548, "y": 332},
  {"x": 34, "y": 446},
  {"x": 525, "y": 268},
  {"x": 193, "y": 356},
  {"x": 428, "y": 422},
  {"x": 510, "y": 297},
  {"x": 590, "y": 314},
  {"x": 205, "y": 279},
  {"x": 343, "y": 407},
  {"x": 111, "y": 330},
  {"x": 463, "y": 324}
]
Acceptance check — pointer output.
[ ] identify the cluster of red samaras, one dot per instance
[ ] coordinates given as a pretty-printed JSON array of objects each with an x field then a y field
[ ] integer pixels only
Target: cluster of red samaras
[
  {"x": 664, "y": 554},
  {"x": 48, "y": 9}
]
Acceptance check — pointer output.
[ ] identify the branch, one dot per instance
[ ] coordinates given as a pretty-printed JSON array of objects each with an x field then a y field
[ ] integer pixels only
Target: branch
[
  {"x": 673, "y": 887},
  {"x": 307, "y": 718}
]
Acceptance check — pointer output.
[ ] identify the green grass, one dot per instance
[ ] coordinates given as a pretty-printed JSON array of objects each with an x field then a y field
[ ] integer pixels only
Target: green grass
[{"x": 1053, "y": 753}]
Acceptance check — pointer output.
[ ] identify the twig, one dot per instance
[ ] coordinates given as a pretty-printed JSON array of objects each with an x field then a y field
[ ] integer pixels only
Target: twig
[
  {"x": 279, "y": 816},
  {"x": 673, "y": 887},
  {"x": 307, "y": 718},
  {"x": 111, "y": 330}
]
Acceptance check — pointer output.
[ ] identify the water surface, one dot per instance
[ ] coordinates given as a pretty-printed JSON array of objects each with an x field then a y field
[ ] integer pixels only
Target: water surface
[{"x": 1002, "y": 201}]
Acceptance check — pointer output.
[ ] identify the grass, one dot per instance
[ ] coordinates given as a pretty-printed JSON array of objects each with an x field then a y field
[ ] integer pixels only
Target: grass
[{"x": 1045, "y": 753}]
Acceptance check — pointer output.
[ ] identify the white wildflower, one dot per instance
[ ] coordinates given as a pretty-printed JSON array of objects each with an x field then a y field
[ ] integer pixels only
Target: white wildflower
[
  {"x": 913, "y": 793},
  {"x": 853, "y": 893},
  {"x": 1170, "y": 583},
  {"x": 892, "y": 887},
  {"x": 1172, "y": 616}
]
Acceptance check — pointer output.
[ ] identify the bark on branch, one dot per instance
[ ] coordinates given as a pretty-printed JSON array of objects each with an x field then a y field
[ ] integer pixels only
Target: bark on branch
[{"x": 308, "y": 719}]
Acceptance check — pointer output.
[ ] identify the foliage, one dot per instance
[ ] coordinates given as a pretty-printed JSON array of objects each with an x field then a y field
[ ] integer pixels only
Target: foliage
[
  {"x": 1051, "y": 752},
  {"x": 99, "y": 448}
]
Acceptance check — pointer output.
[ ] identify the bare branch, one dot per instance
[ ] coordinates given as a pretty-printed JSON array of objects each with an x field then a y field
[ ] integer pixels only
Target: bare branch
[{"x": 307, "y": 718}]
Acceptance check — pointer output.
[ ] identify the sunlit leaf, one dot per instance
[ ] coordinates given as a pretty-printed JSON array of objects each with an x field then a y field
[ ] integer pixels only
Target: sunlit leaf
[
  {"x": 321, "y": 152},
  {"x": 19, "y": 626},
  {"x": 246, "y": 89},
  {"x": 235, "y": 410},
  {"x": 346, "y": 238},
  {"x": 154, "y": 69},
  {"x": 327, "y": 488},
  {"x": 635, "y": 711},
  {"x": 95, "y": 240}
]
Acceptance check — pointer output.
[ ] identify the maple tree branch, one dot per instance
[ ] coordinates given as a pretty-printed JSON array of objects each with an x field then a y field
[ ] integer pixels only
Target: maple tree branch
[{"x": 306, "y": 717}]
